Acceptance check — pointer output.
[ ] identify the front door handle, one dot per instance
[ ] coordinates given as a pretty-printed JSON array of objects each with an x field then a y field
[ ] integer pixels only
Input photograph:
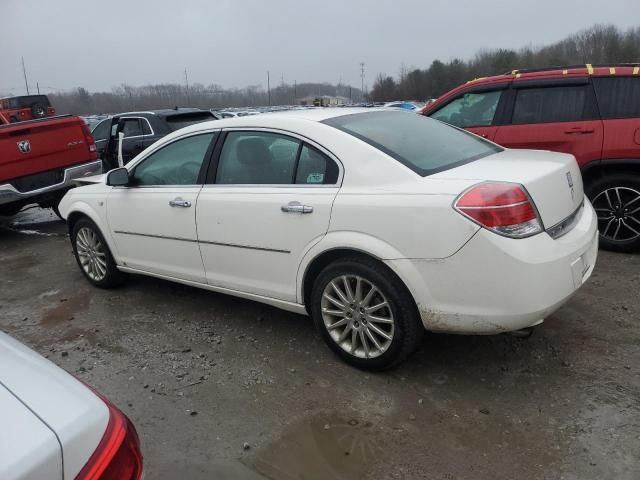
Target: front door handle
[
  {"x": 296, "y": 207},
  {"x": 581, "y": 131},
  {"x": 179, "y": 202}
]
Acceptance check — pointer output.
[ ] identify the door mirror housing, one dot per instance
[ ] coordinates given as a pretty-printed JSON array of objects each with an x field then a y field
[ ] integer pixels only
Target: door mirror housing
[{"x": 118, "y": 177}]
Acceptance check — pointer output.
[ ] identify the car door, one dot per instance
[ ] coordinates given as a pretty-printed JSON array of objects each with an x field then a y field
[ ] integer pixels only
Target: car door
[
  {"x": 561, "y": 117},
  {"x": 474, "y": 110},
  {"x": 153, "y": 219},
  {"x": 267, "y": 202},
  {"x": 101, "y": 136}
]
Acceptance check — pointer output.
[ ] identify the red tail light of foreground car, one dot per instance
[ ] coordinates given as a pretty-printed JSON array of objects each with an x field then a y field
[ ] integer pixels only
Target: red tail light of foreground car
[
  {"x": 117, "y": 456},
  {"x": 504, "y": 208}
]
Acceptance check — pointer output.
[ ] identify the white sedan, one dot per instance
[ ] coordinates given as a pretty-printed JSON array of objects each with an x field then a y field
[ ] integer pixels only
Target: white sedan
[
  {"x": 55, "y": 427},
  {"x": 379, "y": 224}
]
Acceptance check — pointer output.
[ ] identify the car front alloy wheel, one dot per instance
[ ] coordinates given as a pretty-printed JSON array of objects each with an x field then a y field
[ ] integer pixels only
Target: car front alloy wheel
[{"x": 93, "y": 255}]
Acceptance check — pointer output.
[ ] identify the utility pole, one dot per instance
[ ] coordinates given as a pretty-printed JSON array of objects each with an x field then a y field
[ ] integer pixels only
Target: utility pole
[
  {"x": 362, "y": 79},
  {"x": 38, "y": 87},
  {"x": 186, "y": 82},
  {"x": 269, "y": 87},
  {"x": 24, "y": 71},
  {"x": 295, "y": 91}
]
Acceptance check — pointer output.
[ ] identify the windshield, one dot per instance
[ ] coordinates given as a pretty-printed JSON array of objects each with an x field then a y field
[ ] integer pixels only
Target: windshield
[
  {"x": 181, "y": 120},
  {"x": 424, "y": 145}
]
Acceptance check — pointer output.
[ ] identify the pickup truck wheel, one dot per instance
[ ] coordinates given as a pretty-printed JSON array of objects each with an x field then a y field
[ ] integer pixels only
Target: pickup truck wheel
[
  {"x": 9, "y": 210},
  {"x": 364, "y": 316},
  {"x": 93, "y": 255},
  {"x": 616, "y": 200},
  {"x": 13, "y": 120}
]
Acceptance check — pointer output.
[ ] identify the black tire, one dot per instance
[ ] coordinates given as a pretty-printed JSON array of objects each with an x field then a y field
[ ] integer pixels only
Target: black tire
[
  {"x": 407, "y": 328},
  {"x": 38, "y": 110},
  {"x": 10, "y": 209},
  {"x": 13, "y": 120},
  {"x": 614, "y": 211},
  {"x": 112, "y": 277}
]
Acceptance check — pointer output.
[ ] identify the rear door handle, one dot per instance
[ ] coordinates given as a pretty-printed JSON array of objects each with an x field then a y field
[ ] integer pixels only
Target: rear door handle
[
  {"x": 179, "y": 202},
  {"x": 296, "y": 207},
  {"x": 579, "y": 131}
]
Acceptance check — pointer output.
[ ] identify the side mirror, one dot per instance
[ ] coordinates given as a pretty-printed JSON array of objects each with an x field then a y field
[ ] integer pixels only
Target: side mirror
[{"x": 118, "y": 177}]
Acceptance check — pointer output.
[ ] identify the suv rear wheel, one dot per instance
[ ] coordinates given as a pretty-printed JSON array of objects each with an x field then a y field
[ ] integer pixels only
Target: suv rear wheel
[
  {"x": 616, "y": 200},
  {"x": 364, "y": 316}
]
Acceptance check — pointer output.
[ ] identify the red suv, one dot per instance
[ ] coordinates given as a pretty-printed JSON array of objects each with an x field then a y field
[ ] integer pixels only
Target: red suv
[
  {"x": 26, "y": 107},
  {"x": 592, "y": 112}
]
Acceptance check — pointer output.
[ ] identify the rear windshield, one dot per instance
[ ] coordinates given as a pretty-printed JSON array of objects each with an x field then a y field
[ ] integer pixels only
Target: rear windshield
[
  {"x": 27, "y": 101},
  {"x": 181, "y": 120},
  {"x": 424, "y": 145}
]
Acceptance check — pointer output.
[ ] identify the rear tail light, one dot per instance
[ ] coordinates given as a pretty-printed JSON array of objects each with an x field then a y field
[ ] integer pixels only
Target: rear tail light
[
  {"x": 503, "y": 208},
  {"x": 51, "y": 110},
  {"x": 88, "y": 138},
  {"x": 117, "y": 456}
]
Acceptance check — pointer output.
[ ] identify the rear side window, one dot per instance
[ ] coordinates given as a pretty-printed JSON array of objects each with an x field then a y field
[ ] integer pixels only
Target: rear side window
[
  {"x": 421, "y": 143},
  {"x": 182, "y": 120},
  {"x": 131, "y": 127},
  {"x": 618, "y": 97},
  {"x": 470, "y": 110},
  {"x": 554, "y": 104}
]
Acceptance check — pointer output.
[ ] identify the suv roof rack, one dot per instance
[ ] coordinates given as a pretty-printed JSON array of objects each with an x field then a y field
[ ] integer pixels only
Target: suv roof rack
[{"x": 567, "y": 67}]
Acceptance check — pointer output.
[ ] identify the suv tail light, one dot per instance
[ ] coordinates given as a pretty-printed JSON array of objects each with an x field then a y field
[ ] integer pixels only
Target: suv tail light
[
  {"x": 503, "y": 208},
  {"x": 117, "y": 456},
  {"x": 51, "y": 111},
  {"x": 88, "y": 138}
]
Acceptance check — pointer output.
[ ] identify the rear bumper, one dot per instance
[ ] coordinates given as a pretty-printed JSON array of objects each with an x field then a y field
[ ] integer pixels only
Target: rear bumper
[
  {"x": 9, "y": 194},
  {"x": 496, "y": 284}
]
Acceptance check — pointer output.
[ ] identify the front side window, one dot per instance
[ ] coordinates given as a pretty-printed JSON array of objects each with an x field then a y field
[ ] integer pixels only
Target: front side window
[
  {"x": 553, "y": 104},
  {"x": 178, "y": 163},
  {"x": 257, "y": 158},
  {"x": 419, "y": 142},
  {"x": 470, "y": 110},
  {"x": 101, "y": 132},
  {"x": 618, "y": 97}
]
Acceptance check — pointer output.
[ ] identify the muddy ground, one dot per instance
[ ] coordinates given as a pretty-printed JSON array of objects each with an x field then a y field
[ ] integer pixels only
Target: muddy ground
[{"x": 225, "y": 388}]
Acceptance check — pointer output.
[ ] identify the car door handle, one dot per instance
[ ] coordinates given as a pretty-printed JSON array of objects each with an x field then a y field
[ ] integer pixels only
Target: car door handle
[
  {"x": 579, "y": 131},
  {"x": 179, "y": 202},
  {"x": 296, "y": 207}
]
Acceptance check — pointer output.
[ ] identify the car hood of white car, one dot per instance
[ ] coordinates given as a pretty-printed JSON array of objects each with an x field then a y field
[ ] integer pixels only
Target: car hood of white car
[{"x": 46, "y": 415}]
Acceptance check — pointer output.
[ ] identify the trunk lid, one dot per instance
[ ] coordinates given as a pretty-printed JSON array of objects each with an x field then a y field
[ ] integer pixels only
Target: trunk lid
[
  {"x": 67, "y": 407},
  {"x": 553, "y": 180}
]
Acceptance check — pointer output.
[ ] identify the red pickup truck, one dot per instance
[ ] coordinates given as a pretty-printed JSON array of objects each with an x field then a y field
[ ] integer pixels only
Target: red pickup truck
[{"x": 40, "y": 159}]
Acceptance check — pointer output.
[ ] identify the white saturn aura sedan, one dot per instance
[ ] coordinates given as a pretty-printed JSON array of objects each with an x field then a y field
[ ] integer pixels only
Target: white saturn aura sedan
[
  {"x": 378, "y": 224},
  {"x": 54, "y": 427}
]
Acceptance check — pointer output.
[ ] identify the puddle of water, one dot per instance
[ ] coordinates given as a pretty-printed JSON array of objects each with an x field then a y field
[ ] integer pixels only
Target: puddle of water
[
  {"x": 324, "y": 447},
  {"x": 65, "y": 310}
]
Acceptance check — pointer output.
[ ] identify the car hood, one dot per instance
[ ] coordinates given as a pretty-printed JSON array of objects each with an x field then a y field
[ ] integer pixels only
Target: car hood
[
  {"x": 44, "y": 395},
  {"x": 90, "y": 180}
]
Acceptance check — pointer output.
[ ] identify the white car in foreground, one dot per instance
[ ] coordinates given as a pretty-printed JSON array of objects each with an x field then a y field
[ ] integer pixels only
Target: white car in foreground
[
  {"x": 55, "y": 427},
  {"x": 379, "y": 224}
]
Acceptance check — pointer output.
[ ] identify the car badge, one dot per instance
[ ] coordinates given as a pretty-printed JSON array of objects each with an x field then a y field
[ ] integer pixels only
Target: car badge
[{"x": 24, "y": 146}]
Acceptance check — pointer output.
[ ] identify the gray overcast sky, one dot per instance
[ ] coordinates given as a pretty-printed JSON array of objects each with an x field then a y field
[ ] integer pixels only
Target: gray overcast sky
[{"x": 98, "y": 44}]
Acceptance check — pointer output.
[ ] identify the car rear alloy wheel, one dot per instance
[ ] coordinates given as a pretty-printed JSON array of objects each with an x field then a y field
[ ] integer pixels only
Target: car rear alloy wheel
[
  {"x": 616, "y": 201},
  {"x": 365, "y": 313},
  {"x": 93, "y": 255},
  {"x": 357, "y": 316}
]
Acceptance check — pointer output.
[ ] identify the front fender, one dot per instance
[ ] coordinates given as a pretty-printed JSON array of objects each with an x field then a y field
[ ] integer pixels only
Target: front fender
[{"x": 95, "y": 210}]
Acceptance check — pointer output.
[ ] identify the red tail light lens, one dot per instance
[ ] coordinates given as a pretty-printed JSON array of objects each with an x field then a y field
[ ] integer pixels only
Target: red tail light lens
[
  {"x": 88, "y": 138},
  {"x": 118, "y": 454},
  {"x": 504, "y": 208},
  {"x": 51, "y": 110}
]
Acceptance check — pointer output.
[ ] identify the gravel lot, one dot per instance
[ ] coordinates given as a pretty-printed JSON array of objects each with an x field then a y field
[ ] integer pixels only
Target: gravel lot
[{"x": 225, "y": 388}]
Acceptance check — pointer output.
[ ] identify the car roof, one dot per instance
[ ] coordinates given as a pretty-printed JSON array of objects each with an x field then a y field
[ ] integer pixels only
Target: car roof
[{"x": 166, "y": 112}]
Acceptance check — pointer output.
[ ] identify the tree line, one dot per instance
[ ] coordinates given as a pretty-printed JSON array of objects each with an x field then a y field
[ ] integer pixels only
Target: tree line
[
  {"x": 150, "y": 97},
  {"x": 599, "y": 44}
]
